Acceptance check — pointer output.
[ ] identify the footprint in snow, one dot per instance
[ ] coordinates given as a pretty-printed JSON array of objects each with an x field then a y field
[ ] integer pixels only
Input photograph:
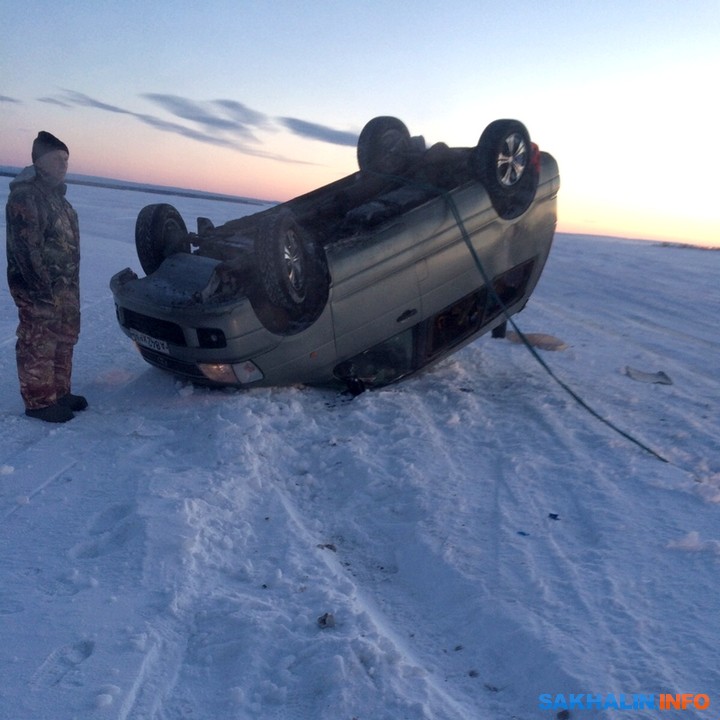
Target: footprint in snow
[
  {"x": 60, "y": 663},
  {"x": 111, "y": 530}
]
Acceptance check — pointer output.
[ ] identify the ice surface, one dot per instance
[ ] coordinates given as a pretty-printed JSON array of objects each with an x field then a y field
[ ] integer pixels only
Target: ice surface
[{"x": 477, "y": 538}]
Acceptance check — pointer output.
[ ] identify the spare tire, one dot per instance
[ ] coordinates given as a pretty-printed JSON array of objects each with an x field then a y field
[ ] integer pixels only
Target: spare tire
[
  {"x": 160, "y": 232},
  {"x": 504, "y": 161},
  {"x": 292, "y": 269}
]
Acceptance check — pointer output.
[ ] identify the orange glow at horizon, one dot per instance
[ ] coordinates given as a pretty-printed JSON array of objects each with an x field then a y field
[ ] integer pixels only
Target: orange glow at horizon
[
  {"x": 642, "y": 223},
  {"x": 251, "y": 178},
  {"x": 213, "y": 169}
]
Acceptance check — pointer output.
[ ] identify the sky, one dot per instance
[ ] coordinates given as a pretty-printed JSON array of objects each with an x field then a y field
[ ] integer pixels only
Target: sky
[{"x": 266, "y": 100}]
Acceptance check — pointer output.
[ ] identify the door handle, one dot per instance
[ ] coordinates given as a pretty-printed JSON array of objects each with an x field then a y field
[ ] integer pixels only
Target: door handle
[{"x": 406, "y": 315}]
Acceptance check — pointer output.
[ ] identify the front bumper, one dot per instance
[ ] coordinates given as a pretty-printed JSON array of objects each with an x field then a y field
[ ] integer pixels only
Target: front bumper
[{"x": 177, "y": 328}]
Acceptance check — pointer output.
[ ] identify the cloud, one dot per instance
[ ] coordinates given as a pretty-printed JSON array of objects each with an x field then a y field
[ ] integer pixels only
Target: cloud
[
  {"x": 239, "y": 119},
  {"x": 187, "y": 132},
  {"x": 306, "y": 129},
  {"x": 72, "y": 98},
  {"x": 54, "y": 101},
  {"x": 233, "y": 118},
  {"x": 77, "y": 98},
  {"x": 221, "y": 122},
  {"x": 186, "y": 110},
  {"x": 242, "y": 113},
  {"x": 199, "y": 114},
  {"x": 5, "y": 98}
]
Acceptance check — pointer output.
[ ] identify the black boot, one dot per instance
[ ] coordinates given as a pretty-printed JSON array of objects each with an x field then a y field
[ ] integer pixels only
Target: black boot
[
  {"x": 74, "y": 402},
  {"x": 54, "y": 413}
]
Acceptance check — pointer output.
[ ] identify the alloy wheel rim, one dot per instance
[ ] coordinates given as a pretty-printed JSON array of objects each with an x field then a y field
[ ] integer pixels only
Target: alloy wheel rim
[
  {"x": 293, "y": 261},
  {"x": 512, "y": 160}
]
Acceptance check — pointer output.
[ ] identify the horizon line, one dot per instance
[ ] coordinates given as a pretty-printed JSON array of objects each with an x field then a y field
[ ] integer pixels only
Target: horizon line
[{"x": 130, "y": 185}]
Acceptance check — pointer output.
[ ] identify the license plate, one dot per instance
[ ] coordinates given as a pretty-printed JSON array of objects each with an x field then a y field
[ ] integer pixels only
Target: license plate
[{"x": 149, "y": 342}]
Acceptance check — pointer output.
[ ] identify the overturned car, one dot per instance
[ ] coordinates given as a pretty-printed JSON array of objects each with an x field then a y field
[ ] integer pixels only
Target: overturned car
[{"x": 360, "y": 282}]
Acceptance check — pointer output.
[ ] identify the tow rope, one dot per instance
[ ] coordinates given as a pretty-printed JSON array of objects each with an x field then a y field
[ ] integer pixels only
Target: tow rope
[
  {"x": 496, "y": 298},
  {"x": 508, "y": 318}
]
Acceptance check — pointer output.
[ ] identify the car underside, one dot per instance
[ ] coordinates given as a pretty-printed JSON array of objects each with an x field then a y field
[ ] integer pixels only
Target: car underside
[{"x": 360, "y": 282}]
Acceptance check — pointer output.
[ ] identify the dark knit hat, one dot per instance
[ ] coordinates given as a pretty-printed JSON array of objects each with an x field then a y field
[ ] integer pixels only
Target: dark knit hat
[{"x": 45, "y": 143}]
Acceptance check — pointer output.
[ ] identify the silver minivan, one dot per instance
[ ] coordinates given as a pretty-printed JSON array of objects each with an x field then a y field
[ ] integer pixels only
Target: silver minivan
[{"x": 358, "y": 283}]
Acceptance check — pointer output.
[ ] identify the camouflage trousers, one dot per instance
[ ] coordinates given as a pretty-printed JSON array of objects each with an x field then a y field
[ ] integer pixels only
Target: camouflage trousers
[{"x": 46, "y": 339}]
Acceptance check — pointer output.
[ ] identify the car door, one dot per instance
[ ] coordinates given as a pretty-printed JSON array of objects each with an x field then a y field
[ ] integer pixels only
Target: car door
[{"x": 375, "y": 291}]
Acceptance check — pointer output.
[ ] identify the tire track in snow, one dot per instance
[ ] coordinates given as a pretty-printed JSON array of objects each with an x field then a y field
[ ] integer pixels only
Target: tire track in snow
[
  {"x": 21, "y": 486},
  {"x": 487, "y": 511},
  {"x": 248, "y": 541},
  {"x": 414, "y": 578},
  {"x": 571, "y": 557}
]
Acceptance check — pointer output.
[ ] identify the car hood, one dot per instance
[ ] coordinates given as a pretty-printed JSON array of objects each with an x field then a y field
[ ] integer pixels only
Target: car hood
[{"x": 178, "y": 283}]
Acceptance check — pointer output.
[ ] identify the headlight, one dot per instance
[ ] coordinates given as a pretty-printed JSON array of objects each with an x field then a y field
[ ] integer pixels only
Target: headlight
[
  {"x": 232, "y": 373},
  {"x": 247, "y": 372}
]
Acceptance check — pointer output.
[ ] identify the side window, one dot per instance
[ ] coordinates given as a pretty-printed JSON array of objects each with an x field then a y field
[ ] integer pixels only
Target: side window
[
  {"x": 382, "y": 364},
  {"x": 453, "y": 324},
  {"x": 510, "y": 287},
  {"x": 465, "y": 317}
]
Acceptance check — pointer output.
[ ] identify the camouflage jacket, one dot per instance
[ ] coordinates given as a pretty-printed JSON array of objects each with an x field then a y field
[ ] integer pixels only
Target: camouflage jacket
[{"x": 43, "y": 243}]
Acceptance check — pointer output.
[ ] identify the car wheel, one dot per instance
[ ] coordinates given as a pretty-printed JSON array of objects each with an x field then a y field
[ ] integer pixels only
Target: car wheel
[
  {"x": 384, "y": 146},
  {"x": 505, "y": 162},
  {"x": 160, "y": 232},
  {"x": 292, "y": 268}
]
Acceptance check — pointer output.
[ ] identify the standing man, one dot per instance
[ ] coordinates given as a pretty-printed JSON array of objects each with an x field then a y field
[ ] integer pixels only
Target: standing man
[{"x": 43, "y": 263}]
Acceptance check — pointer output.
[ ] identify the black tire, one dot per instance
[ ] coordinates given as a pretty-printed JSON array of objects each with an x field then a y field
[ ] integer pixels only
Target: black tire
[
  {"x": 160, "y": 232},
  {"x": 504, "y": 161},
  {"x": 292, "y": 269},
  {"x": 385, "y": 146}
]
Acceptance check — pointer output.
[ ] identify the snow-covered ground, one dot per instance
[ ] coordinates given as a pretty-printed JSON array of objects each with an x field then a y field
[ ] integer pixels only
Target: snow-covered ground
[{"x": 476, "y": 537}]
